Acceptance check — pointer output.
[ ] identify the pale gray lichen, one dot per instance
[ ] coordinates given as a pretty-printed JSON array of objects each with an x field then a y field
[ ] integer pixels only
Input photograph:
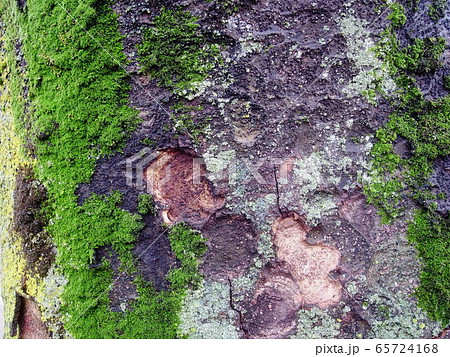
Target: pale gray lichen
[
  {"x": 246, "y": 39},
  {"x": 265, "y": 245},
  {"x": 317, "y": 206},
  {"x": 296, "y": 52},
  {"x": 206, "y": 313},
  {"x": 316, "y": 323},
  {"x": 396, "y": 315},
  {"x": 352, "y": 287},
  {"x": 49, "y": 299},
  {"x": 389, "y": 307},
  {"x": 196, "y": 89},
  {"x": 383, "y": 272},
  {"x": 311, "y": 173},
  {"x": 308, "y": 172},
  {"x": 248, "y": 45},
  {"x": 330, "y": 167},
  {"x": 219, "y": 161},
  {"x": 373, "y": 74},
  {"x": 243, "y": 285},
  {"x": 258, "y": 211},
  {"x": 217, "y": 81}
]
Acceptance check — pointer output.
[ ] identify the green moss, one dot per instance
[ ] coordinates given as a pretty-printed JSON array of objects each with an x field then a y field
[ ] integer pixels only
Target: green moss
[
  {"x": 154, "y": 314},
  {"x": 146, "y": 204},
  {"x": 187, "y": 119},
  {"x": 423, "y": 55},
  {"x": 188, "y": 246},
  {"x": 436, "y": 10},
  {"x": 446, "y": 80},
  {"x": 149, "y": 142},
  {"x": 397, "y": 14},
  {"x": 431, "y": 236},
  {"x": 425, "y": 124},
  {"x": 97, "y": 223},
  {"x": 175, "y": 51},
  {"x": 79, "y": 113}
]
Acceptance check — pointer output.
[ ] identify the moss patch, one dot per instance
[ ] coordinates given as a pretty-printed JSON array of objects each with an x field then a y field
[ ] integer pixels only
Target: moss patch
[
  {"x": 431, "y": 236},
  {"x": 175, "y": 51},
  {"x": 425, "y": 124},
  {"x": 11, "y": 157},
  {"x": 79, "y": 113}
]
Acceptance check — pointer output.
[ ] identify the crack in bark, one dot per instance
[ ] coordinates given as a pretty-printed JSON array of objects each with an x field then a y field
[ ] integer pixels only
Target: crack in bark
[
  {"x": 239, "y": 312},
  {"x": 277, "y": 187}
]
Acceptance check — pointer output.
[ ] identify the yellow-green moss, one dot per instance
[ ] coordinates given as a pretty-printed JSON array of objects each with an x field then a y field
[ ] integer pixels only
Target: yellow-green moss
[{"x": 12, "y": 261}]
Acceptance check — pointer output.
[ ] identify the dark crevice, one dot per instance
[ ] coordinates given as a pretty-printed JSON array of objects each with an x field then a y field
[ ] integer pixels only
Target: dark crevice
[
  {"x": 21, "y": 4},
  {"x": 277, "y": 187},
  {"x": 29, "y": 222},
  {"x": 233, "y": 307}
]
